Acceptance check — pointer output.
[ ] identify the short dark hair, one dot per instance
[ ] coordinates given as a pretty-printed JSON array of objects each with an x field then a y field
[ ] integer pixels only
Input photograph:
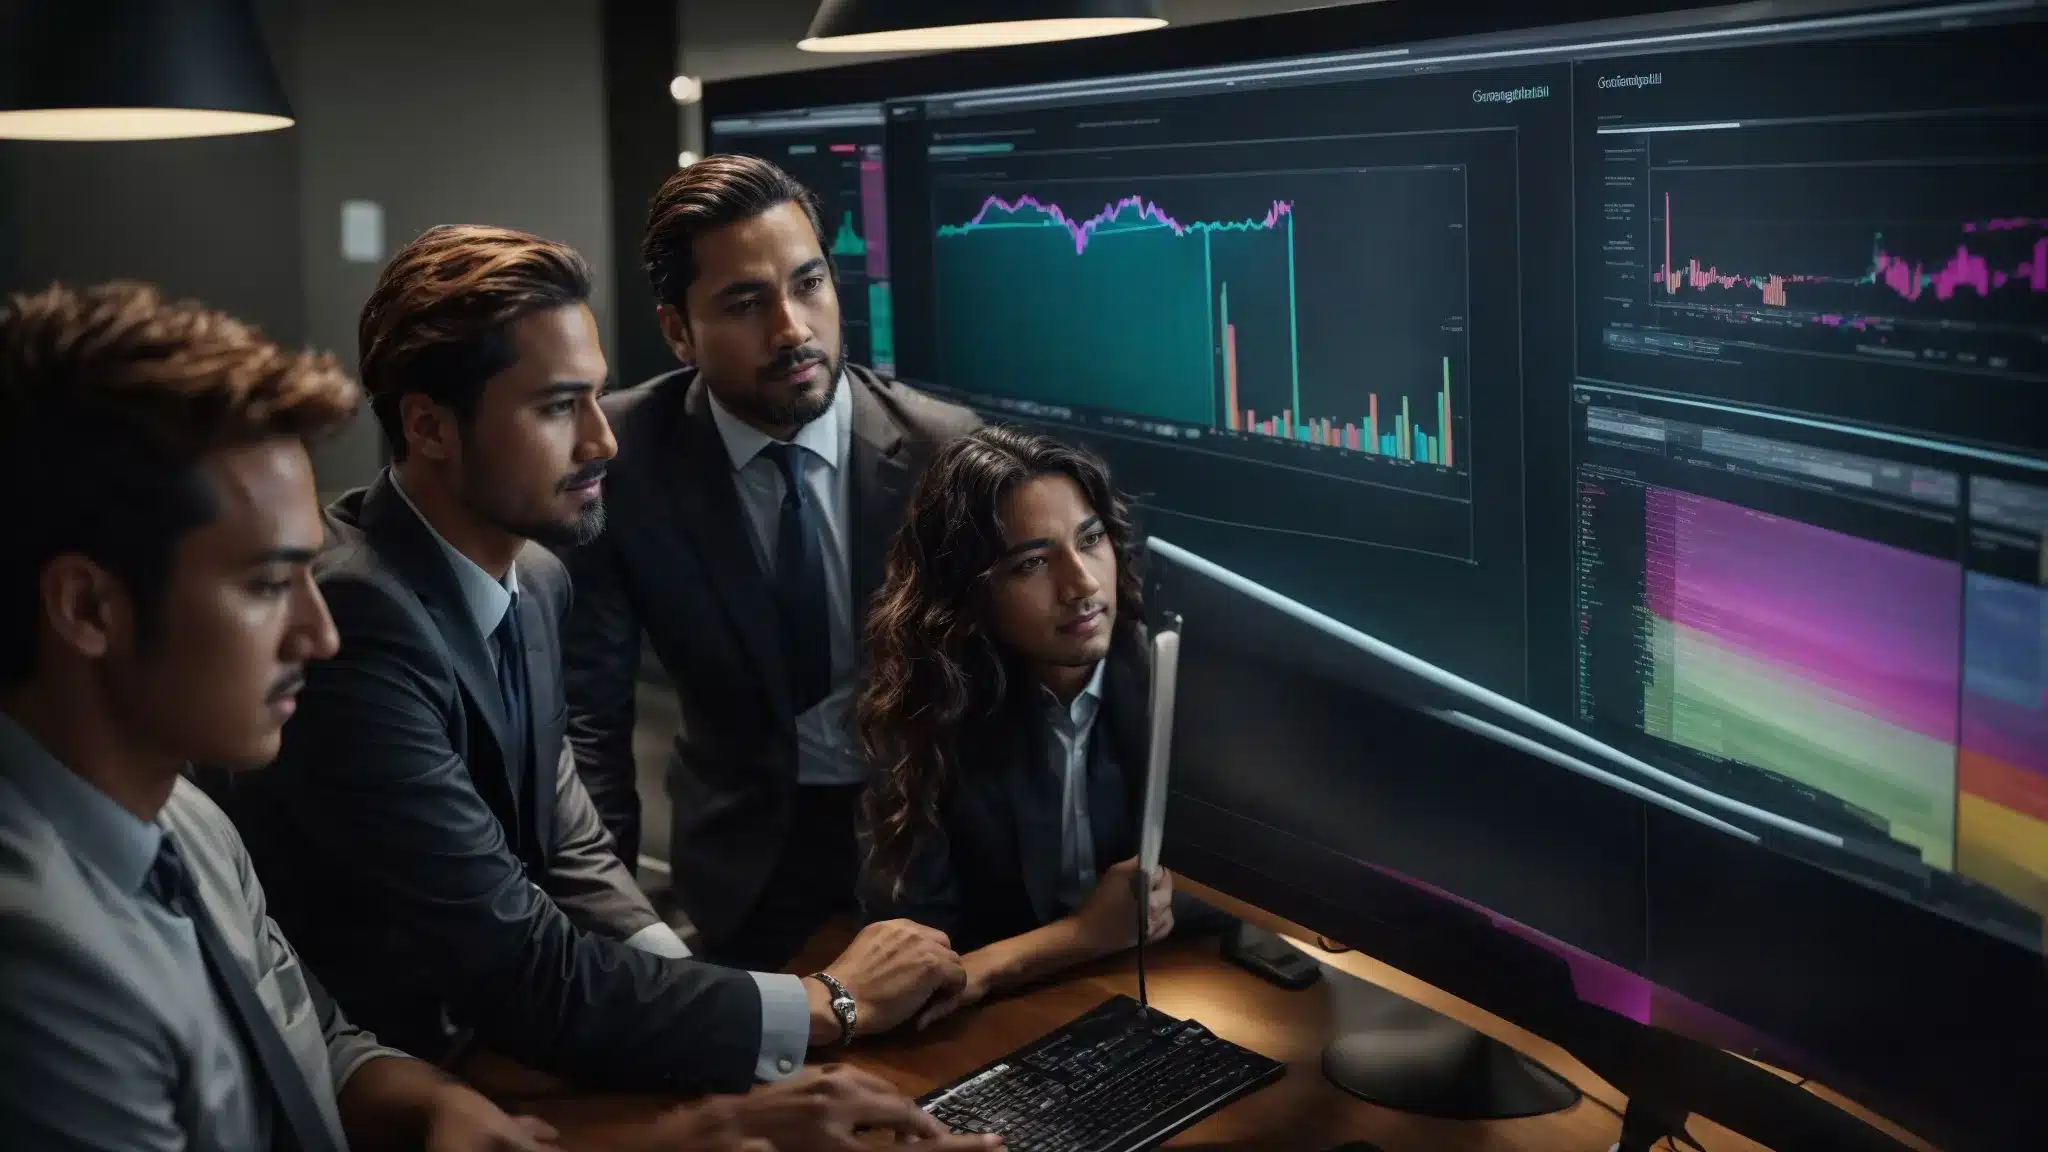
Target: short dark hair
[
  {"x": 111, "y": 400},
  {"x": 704, "y": 197},
  {"x": 439, "y": 321}
]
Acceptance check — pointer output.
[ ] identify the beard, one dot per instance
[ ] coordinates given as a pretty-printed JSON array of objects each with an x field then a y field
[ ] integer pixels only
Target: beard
[
  {"x": 752, "y": 405},
  {"x": 586, "y": 525}
]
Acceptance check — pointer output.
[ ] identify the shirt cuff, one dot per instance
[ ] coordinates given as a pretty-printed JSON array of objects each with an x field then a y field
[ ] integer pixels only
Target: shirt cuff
[
  {"x": 661, "y": 940},
  {"x": 785, "y": 1026}
]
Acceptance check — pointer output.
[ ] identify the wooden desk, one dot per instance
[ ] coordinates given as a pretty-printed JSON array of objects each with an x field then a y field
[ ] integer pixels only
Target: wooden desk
[{"x": 1303, "y": 1112}]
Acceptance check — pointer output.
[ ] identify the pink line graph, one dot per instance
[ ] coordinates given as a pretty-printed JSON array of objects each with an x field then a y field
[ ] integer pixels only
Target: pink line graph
[
  {"x": 1083, "y": 230},
  {"x": 1909, "y": 279}
]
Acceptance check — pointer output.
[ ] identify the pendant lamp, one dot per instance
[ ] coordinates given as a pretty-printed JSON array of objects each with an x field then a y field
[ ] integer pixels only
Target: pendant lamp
[
  {"x": 934, "y": 25},
  {"x": 135, "y": 70}
]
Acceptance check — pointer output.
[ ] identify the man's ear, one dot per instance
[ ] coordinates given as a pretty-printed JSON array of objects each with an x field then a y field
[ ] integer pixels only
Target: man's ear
[
  {"x": 85, "y": 607},
  {"x": 429, "y": 427},
  {"x": 675, "y": 332}
]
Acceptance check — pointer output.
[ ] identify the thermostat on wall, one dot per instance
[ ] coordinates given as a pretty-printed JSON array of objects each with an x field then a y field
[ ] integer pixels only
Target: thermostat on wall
[{"x": 362, "y": 231}]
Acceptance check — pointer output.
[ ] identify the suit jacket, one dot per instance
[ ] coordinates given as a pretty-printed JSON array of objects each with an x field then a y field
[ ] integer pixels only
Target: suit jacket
[
  {"x": 991, "y": 868},
  {"x": 675, "y": 562},
  {"x": 420, "y": 883},
  {"x": 100, "y": 1026}
]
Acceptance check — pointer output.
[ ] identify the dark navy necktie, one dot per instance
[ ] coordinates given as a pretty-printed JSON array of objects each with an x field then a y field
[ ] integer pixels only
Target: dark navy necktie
[
  {"x": 800, "y": 593},
  {"x": 301, "y": 1125},
  {"x": 510, "y": 642}
]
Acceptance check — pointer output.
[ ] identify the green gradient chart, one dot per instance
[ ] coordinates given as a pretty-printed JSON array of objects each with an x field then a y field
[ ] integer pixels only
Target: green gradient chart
[{"x": 1028, "y": 292}]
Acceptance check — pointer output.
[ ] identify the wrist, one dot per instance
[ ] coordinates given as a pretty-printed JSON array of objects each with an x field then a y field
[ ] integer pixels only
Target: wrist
[{"x": 825, "y": 1028}]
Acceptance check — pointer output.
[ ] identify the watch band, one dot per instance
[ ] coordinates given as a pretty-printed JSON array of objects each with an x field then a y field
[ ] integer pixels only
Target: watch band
[{"x": 843, "y": 1004}]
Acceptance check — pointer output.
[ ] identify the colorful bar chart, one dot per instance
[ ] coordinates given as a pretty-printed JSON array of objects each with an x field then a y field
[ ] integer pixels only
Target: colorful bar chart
[{"x": 1403, "y": 441}]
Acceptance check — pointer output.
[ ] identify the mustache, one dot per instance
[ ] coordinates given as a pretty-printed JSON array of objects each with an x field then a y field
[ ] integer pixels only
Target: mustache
[
  {"x": 587, "y": 474},
  {"x": 793, "y": 359},
  {"x": 288, "y": 685}
]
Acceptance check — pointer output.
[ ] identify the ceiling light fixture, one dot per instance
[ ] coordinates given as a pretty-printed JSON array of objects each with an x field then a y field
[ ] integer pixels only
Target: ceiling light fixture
[
  {"x": 136, "y": 70},
  {"x": 943, "y": 25}
]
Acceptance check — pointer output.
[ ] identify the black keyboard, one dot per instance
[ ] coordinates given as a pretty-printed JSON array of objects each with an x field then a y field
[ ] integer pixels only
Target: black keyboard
[{"x": 1118, "y": 1079}]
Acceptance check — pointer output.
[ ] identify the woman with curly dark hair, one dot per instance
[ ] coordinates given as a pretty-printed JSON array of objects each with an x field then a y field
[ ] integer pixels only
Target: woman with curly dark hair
[{"x": 1003, "y": 714}]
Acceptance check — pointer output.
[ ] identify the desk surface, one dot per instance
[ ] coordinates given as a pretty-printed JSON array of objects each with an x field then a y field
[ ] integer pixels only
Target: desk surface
[{"x": 1302, "y": 1111}]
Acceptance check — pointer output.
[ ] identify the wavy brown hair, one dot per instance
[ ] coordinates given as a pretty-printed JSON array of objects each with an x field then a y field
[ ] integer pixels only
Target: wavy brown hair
[
  {"x": 439, "y": 321},
  {"x": 935, "y": 670}
]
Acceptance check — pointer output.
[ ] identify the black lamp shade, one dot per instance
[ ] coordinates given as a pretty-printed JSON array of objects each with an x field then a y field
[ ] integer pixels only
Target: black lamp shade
[
  {"x": 135, "y": 70},
  {"x": 910, "y": 25}
]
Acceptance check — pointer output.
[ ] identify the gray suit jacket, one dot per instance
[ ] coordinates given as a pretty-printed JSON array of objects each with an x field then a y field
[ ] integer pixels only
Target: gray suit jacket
[
  {"x": 100, "y": 1033},
  {"x": 422, "y": 882},
  {"x": 675, "y": 561}
]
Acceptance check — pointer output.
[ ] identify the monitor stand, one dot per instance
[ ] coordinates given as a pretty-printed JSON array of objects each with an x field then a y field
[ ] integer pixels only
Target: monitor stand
[{"x": 1399, "y": 1054}]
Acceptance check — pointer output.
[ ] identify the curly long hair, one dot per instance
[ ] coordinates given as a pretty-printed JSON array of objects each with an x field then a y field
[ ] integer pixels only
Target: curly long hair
[{"x": 935, "y": 670}]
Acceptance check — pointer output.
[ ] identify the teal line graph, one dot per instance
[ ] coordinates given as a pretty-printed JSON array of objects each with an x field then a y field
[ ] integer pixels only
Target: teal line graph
[{"x": 1117, "y": 311}]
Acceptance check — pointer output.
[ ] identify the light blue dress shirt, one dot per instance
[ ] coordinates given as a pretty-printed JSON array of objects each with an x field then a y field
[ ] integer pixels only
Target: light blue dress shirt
[
  {"x": 785, "y": 1006},
  {"x": 1072, "y": 728},
  {"x": 825, "y": 753},
  {"x": 112, "y": 1036}
]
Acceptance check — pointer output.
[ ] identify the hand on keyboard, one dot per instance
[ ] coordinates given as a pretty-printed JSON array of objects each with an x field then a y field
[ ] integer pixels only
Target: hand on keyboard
[{"x": 823, "y": 1109}]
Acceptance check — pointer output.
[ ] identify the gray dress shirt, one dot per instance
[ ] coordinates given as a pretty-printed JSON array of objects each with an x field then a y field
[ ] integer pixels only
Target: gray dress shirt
[
  {"x": 1072, "y": 727},
  {"x": 111, "y": 1035},
  {"x": 824, "y": 740},
  {"x": 785, "y": 1006}
]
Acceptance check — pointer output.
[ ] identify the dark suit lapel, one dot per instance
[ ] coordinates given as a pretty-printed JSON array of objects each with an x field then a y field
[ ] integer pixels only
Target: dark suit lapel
[
  {"x": 1035, "y": 806},
  {"x": 543, "y": 753},
  {"x": 405, "y": 542},
  {"x": 707, "y": 505},
  {"x": 879, "y": 490}
]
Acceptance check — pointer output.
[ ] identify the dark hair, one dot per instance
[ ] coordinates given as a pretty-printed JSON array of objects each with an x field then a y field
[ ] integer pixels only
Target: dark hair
[
  {"x": 934, "y": 667},
  {"x": 111, "y": 400},
  {"x": 439, "y": 321},
  {"x": 712, "y": 193}
]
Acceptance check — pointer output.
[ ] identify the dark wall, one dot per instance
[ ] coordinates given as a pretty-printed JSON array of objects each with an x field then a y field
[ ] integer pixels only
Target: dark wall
[
  {"x": 215, "y": 219},
  {"x": 449, "y": 112},
  {"x": 642, "y": 127}
]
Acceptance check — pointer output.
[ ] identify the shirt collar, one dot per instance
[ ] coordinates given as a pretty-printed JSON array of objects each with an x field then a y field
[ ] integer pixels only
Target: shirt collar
[
  {"x": 85, "y": 818},
  {"x": 486, "y": 598},
  {"x": 1081, "y": 706},
  {"x": 825, "y": 437}
]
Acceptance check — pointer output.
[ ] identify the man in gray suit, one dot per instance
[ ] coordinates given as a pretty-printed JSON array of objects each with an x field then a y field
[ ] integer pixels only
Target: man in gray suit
[{"x": 156, "y": 609}]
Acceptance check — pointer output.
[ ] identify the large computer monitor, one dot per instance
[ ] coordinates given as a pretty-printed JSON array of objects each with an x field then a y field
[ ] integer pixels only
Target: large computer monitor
[{"x": 1682, "y": 378}]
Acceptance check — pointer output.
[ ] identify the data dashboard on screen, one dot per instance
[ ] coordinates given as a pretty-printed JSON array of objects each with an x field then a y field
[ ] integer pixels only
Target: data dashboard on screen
[
  {"x": 1294, "y": 305},
  {"x": 838, "y": 154},
  {"x": 1685, "y": 378}
]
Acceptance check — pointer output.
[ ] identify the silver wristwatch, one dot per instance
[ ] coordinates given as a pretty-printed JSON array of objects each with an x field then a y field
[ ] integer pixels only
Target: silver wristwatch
[{"x": 843, "y": 1006}]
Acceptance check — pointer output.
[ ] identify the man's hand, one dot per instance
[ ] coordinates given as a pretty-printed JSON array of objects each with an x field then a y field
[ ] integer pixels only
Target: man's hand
[
  {"x": 822, "y": 1109},
  {"x": 891, "y": 970},
  {"x": 461, "y": 1120},
  {"x": 1109, "y": 917}
]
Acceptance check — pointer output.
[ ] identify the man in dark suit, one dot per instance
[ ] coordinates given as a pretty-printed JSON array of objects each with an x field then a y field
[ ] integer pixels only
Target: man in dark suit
[
  {"x": 751, "y": 504},
  {"x": 425, "y": 830}
]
